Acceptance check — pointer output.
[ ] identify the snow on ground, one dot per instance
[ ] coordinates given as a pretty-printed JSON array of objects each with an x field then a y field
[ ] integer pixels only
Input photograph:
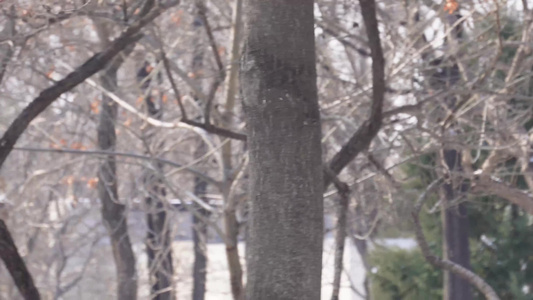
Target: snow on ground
[{"x": 99, "y": 279}]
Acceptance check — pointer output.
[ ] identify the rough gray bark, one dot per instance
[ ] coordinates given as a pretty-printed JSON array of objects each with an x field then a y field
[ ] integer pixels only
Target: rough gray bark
[
  {"x": 114, "y": 212},
  {"x": 278, "y": 81}
]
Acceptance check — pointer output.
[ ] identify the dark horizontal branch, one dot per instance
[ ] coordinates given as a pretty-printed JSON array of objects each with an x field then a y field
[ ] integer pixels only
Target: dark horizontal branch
[
  {"x": 242, "y": 137},
  {"x": 216, "y": 130}
]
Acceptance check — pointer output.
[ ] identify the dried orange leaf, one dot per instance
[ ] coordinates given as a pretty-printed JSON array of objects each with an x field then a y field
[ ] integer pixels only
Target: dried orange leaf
[
  {"x": 92, "y": 182},
  {"x": 451, "y": 6},
  {"x": 176, "y": 18},
  {"x": 95, "y": 106},
  {"x": 78, "y": 146},
  {"x": 221, "y": 50},
  {"x": 50, "y": 72},
  {"x": 70, "y": 180},
  {"x": 139, "y": 100}
]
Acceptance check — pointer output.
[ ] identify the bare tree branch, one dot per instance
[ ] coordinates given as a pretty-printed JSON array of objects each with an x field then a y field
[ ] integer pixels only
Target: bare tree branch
[
  {"x": 6, "y": 50},
  {"x": 8, "y": 250},
  {"x": 482, "y": 181},
  {"x": 125, "y": 154},
  {"x": 202, "y": 12},
  {"x": 341, "y": 40},
  {"x": 86, "y": 70},
  {"x": 16, "y": 266},
  {"x": 177, "y": 93},
  {"x": 217, "y": 130},
  {"x": 445, "y": 264},
  {"x": 369, "y": 129},
  {"x": 487, "y": 185},
  {"x": 158, "y": 123}
]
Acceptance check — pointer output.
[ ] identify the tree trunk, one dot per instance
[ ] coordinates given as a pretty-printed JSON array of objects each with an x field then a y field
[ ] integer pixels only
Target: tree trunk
[
  {"x": 231, "y": 228},
  {"x": 455, "y": 224},
  {"x": 47, "y": 96},
  {"x": 200, "y": 236},
  {"x": 158, "y": 243},
  {"x": 340, "y": 238},
  {"x": 278, "y": 80},
  {"x": 113, "y": 212},
  {"x": 158, "y": 239},
  {"x": 231, "y": 225},
  {"x": 199, "y": 226},
  {"x": 455, "y": 232}
]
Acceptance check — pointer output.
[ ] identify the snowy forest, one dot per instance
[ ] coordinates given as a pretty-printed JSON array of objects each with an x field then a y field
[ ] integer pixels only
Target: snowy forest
[{"x": 266, "y": 149}]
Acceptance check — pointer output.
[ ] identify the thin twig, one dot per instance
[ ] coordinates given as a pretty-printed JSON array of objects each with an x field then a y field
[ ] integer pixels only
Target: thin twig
[
  {"x": 210, "y": 97},
  {"x": 123, "y": 154},
  {"x": 177, "y": 94},
  {"x": 202, "y": 12}
]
